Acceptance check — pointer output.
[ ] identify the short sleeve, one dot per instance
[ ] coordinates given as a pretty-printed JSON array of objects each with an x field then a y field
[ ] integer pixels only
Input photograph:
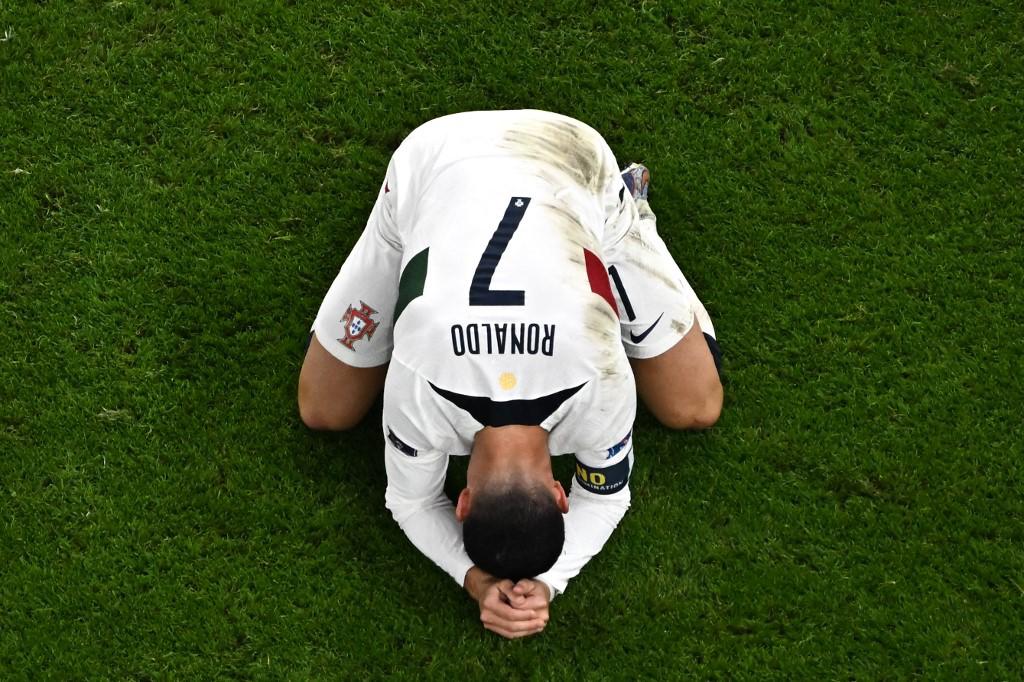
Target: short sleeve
[{"x": 355, "y": 319}]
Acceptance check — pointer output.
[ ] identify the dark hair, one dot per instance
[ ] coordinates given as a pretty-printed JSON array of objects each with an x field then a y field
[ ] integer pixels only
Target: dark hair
[{"x": 514, "y": 533}]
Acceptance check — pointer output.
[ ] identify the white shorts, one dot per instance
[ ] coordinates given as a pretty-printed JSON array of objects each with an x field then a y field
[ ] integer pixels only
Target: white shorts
[{"x": 657, "y": 306}]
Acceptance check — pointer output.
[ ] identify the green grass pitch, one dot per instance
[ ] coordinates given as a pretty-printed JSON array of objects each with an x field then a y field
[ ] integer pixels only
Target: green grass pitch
[{"x": 841, "y": 182}]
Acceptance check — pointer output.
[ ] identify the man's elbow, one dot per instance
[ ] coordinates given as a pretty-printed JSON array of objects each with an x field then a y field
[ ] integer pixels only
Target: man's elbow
[{"x": 400, "y": 509}]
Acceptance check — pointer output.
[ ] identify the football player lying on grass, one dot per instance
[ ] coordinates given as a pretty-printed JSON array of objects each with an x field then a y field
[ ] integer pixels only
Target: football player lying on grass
[{"x": 510, "y": 295}]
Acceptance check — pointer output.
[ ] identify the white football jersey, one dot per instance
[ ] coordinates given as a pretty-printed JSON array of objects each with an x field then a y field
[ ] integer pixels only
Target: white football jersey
[{"x": 505, "y": 312}]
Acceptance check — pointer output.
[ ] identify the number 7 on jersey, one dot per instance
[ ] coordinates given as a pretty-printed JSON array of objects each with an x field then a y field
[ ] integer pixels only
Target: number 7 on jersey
[{"x": 480, "y": 292}]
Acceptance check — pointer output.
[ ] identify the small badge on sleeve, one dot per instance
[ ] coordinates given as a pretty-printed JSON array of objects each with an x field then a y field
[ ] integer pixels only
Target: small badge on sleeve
[
  {"x": 603, "y": 481},
  {"x": 357, "y": 324},
  {"x": 401, "y": 445},
  {"x": 617, "y": 448}
]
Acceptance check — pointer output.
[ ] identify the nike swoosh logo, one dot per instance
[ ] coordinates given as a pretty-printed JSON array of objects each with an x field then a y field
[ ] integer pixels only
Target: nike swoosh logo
[{"x": 637, "y": 338}]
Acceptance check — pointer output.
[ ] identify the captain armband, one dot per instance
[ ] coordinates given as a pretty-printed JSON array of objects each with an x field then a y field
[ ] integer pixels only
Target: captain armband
[{"x": 603, "y": 481}]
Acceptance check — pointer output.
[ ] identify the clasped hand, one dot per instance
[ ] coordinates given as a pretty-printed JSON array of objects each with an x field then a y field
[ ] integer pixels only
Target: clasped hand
[{"x": 509, "y": 609}]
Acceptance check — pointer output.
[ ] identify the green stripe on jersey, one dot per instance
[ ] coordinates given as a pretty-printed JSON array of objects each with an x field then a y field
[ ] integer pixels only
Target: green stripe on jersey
[{"x": 410, "y": 285}]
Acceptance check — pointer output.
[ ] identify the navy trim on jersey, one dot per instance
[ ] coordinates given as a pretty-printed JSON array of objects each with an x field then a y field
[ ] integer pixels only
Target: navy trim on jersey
[
  {"x": 489, "y": 412},
  {"x": 622, "y": 293}
]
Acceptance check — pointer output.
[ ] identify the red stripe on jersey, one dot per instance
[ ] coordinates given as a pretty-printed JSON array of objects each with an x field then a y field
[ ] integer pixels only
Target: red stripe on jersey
[{"x": 598, "y": 277}]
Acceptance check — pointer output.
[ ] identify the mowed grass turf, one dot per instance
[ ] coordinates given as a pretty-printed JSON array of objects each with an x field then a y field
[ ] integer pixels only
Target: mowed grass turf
[{"x": 841, "y": 182}]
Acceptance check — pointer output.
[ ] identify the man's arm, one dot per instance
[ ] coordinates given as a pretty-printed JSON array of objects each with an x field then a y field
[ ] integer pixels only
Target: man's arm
[
  {"x": 598, "y": 500},
  {"x": 415, "y": 496}
]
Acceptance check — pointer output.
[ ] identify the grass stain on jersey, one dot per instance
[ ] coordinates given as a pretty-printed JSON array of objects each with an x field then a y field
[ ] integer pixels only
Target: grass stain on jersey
[
  {"x": 566, "y": 222},
  {"x": 563, "y": 146},
  {"x": 666, "y": 279},
  {"x": 681, "y": 327},
  {"x": 602, "y": 327}
]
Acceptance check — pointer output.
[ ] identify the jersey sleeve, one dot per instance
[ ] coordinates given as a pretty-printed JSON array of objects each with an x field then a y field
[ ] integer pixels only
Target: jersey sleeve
[
  {"x": 355, "y": 319},
  {"x": 415, "y": 497},
  {"x": 598, "y": 499},
  {"x": 383, "y": 220}
]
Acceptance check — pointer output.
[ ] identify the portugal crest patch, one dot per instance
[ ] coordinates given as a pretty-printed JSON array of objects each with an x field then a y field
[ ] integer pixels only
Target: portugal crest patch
[{"x": 358, "y": 323}]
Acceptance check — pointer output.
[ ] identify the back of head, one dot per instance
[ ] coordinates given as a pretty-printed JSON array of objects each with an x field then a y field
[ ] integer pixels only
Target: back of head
[{"x": 515, "y": 532}]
